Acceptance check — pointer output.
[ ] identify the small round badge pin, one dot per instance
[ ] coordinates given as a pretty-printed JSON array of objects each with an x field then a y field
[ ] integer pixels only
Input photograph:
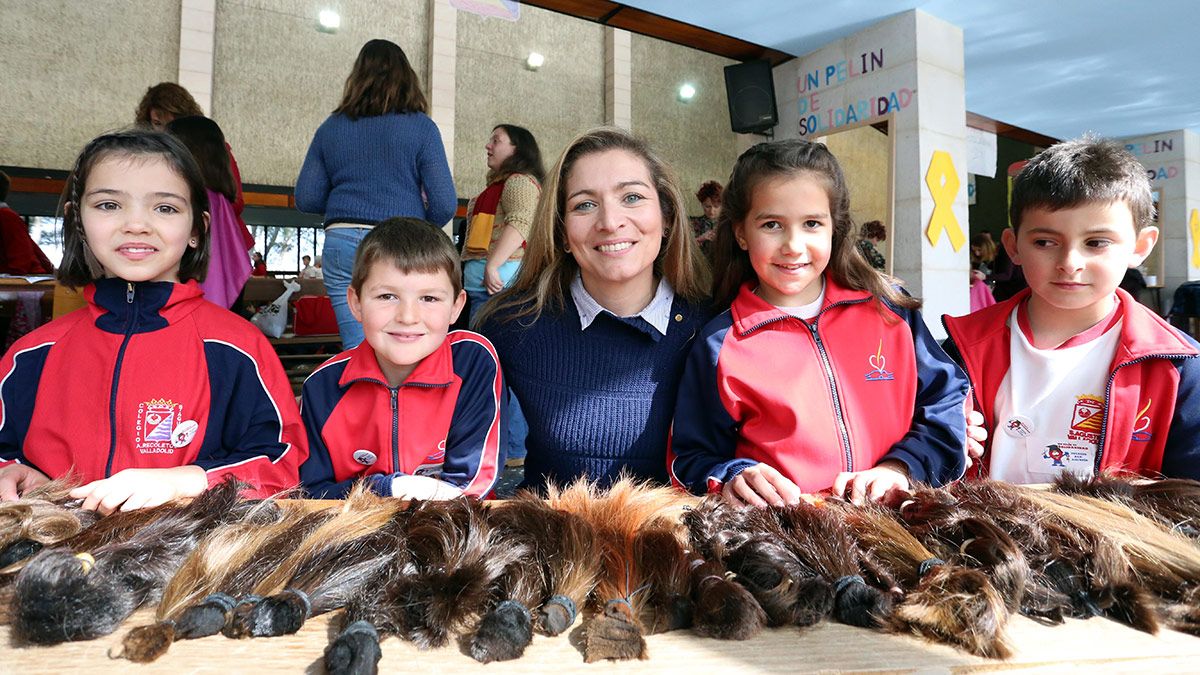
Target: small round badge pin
[{"x": 184, "y": 433}]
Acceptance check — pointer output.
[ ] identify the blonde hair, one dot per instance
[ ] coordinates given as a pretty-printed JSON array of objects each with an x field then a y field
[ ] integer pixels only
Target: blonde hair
[{"x": 547, "y": 269}]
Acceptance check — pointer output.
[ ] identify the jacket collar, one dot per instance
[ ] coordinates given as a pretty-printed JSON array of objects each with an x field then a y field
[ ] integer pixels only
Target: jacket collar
[
  {"x": 435, "y": 370},
  {"x": 120, "y": 306},
  {"x": 751, "y": 312},
  {"x": 1143, "y": 333}
]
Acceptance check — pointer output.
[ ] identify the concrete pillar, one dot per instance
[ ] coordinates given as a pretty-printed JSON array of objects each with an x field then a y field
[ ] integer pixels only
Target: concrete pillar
[
  {"x": 1172, "y": 161},
  {"x": 197, "y": 30},
  {"x": 618, "y": 78},
  {"x": 440, "y": 82},
  {"x": 908, "y": 70}
]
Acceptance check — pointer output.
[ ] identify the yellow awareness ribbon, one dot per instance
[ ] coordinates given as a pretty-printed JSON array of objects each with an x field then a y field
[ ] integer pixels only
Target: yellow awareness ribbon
[
  {"x": 1194, "y": 226},
  {"x": 943, "y": 186}
]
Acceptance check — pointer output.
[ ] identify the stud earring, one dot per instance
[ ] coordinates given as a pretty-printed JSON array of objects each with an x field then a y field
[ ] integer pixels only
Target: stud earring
[{"x": 193, "y": 242}]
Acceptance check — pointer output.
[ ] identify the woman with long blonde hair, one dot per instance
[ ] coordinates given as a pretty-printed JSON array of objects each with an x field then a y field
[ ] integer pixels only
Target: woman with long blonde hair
[{"x": 593, "y": 331}]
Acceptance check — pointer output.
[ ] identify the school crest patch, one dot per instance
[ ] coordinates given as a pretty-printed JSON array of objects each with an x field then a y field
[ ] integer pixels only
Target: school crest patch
[
  {"x": 156, "y": 419},
  {"x": 1086, "y": 419}
]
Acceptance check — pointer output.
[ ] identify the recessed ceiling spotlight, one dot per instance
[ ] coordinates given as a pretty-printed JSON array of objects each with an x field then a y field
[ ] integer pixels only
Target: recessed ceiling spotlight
[
  {"x": 329, "y": 20},
  {"x": 534, "y": 61},
  {"x": 686, "y": 92}
]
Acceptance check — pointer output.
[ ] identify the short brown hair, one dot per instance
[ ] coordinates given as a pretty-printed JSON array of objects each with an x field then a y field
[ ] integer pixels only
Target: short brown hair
[
  {"x": 382, "y": 81},
  {"x": 872, "y": 229},
  {"x": 168, "y": 97},
  {"x": 411, "y": 245},
  {"x": 79, "y": 267},
  {"x": 710, "y": 189},
  {"x": 1082, "y": 171}
]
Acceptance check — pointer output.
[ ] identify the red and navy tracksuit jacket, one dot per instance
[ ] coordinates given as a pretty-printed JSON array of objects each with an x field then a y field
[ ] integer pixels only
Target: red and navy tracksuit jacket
[
  {"x": 843, "y": 392},
  {"x": 1151, "y": 421},
  {"x": 443, "y": 421},
  {"x": 150, "y": 375}
]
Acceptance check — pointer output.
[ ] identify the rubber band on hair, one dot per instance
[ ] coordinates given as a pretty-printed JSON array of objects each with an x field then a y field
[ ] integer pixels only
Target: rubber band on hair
[
  {"x": 842, "y": 582},
  {"x": 303, "y": 598},
  {"x": 927, "y": 566},
  {"x": 567, "y": 604},
  {"x": 223, "y": 600},
  {"x": 362, "y": 626}
]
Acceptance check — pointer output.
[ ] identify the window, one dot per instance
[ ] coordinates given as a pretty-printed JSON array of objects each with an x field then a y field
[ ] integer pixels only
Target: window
[
  {"x": 46, "y": 232},
  {"x": 282, "y": 247}
]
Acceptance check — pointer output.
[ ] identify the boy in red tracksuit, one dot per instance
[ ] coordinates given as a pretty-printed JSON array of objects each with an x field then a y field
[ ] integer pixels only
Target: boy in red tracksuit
[
  {"x": 415, "y": 410},
  {"x": 1073, "y": 375}
]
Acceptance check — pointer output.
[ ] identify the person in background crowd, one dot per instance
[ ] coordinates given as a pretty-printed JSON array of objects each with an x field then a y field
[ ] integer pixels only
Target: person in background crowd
[
  {"x": 498, "y": 222},
  {"x": 983, "y": 251},
  {"x": 164, "y": 102},
  {"x": 870, "y": 235},
  {"x": 258, "y": 264},
  {"x": 19, "y": 254},
  {"x": 307, "y": 271},
  {"x": 704, "y": 227},
  {"x": 498, "y": 219},
  {"x": 228, "y": 268},
  {"x": 377, "y": 156}
]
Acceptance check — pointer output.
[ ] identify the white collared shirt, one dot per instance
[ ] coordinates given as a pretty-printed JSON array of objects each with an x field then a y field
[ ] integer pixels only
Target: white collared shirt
[{"x": 657, "y": 313}]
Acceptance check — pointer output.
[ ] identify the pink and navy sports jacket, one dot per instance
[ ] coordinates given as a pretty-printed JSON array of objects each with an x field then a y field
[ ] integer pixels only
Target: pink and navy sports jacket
[
  {"x": 843, "y": 392},
  {"x": 150, "y": 375},
  {"x": 1151, "y": 422},
  {"x": 443, "y": 421}
]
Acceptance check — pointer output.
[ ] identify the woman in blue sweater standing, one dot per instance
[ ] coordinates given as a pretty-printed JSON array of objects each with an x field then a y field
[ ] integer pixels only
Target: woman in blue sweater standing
[
  {"x": 377, "y": 156},
  {"x": 593, "y": 332}
]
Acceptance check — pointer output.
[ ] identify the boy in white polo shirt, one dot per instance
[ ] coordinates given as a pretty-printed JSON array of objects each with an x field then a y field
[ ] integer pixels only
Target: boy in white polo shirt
[{"x": 1073, "y": 374}]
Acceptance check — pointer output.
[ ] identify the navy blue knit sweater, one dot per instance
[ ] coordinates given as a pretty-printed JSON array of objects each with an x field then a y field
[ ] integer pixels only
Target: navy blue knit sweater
[
  {"x": 377, "y": 167},
  {"x": 597, "y": 400}
]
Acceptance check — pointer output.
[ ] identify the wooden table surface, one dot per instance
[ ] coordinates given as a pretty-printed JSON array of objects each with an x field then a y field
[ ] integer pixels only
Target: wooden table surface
[{"x": 1096, "y": 645}]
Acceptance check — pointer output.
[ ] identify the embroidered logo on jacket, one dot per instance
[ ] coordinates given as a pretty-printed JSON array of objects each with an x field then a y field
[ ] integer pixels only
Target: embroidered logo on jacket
[
  {"x": 1141, "y": 427},
  {"x": 1086, "y": 419},
  {"x": 432, "y": 464},
  {"x": 878, "y": 373},
  {"x": 155, "y": 422}
]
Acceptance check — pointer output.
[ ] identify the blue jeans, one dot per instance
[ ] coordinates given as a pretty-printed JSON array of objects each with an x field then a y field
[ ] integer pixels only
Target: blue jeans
[
  {"x": 473, "y": 271},
  {"x": 337, "y": 261}
]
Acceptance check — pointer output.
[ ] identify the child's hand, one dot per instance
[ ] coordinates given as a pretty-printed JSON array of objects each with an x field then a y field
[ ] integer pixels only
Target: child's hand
[
  {"x": 976, "y": 435},
  {"x": 760, "y": 485},
  {"x": 423, "y": 487},
  {"x": 872, "y": 483},
  {"x": 17, "y": 479},
  {"x": 141, "y": 488}
]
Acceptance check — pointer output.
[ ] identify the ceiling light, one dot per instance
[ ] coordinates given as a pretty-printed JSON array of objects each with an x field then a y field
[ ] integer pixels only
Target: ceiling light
[
  {"x": 534, "y": 61},
  {"x": 330, "y": 20},
  {"x": 686, "y": 92}
]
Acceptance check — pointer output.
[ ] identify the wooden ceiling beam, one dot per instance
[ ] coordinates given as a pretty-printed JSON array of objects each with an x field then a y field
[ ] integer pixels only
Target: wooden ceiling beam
[{"x": 652, "y": 25}]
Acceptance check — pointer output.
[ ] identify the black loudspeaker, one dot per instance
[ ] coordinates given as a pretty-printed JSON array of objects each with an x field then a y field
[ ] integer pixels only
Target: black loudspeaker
[{"x": 751, "y": 93}]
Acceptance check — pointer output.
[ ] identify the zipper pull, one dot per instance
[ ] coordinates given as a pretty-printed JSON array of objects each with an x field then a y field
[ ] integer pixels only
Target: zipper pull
[{"x": 129, "y": 292}]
